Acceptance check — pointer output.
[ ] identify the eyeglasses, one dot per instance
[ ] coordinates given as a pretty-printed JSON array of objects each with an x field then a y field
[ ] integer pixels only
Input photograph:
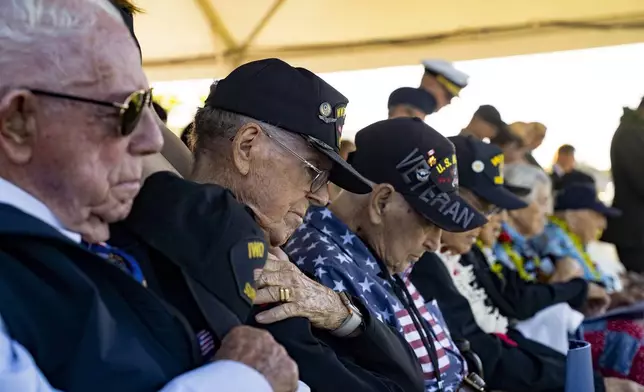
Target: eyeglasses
[
  {"x": 130, "y": 111},
  {"x": 321, "y": 177}
]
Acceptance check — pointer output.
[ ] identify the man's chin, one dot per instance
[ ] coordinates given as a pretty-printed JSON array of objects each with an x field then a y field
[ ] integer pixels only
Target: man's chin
[
  {"x": 95, "y": 231},
  {"x": 113, "y": 212}
]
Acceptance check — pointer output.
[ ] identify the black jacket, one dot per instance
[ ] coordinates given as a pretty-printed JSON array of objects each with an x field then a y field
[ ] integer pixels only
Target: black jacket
[
  {"x": 530, "y": 366},
  {"x": 518, "y": 299},
  {"x": 185, "y": 235},
  {"x": 627, "y": 167},
  {"x": 88, "y": 325}
]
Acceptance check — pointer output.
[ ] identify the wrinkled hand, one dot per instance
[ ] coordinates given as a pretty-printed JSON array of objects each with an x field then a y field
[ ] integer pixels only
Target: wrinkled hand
[
  {"x": 321, "y": 305},
  {"x": 257, "y": 348},
  {"x": 597, "y": 300},
  {"x": 619, "y": 385}
]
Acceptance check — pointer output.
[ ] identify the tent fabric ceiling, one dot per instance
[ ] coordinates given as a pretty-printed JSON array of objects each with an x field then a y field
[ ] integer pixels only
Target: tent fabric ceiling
[{"x": 206, "y": 38}]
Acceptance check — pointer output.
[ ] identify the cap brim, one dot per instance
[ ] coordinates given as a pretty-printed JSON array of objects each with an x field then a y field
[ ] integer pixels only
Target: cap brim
[
  {"x": 342, "y": 173},
  {"x": 452, "y": 213},
  {"x": 608, "y": 212},
  {"x": 518, "y": 190},
  {"x": 500, "y": 197}
]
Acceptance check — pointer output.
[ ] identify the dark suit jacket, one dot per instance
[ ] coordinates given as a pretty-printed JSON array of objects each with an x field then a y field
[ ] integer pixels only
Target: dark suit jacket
[
  {"x": 627, "y": 161},
  {"x": 88, "y": 325},
  {"x": 529, "y": 366},
  {"x": 182, "y": 232}
]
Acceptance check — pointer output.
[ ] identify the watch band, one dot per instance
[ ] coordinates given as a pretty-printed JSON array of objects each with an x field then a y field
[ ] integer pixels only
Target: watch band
[{"x": 352, "y": 322}]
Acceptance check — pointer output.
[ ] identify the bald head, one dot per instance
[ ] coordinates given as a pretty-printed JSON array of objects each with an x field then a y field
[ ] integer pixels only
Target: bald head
[{"x": 69, "y": 154}]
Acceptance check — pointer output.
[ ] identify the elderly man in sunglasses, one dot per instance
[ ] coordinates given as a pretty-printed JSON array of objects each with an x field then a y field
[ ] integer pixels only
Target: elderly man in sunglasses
[{"x": 73, "y": 137}]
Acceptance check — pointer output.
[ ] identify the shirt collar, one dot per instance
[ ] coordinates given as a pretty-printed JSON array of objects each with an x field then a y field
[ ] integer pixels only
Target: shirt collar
[{"x": 18, "y": 198}]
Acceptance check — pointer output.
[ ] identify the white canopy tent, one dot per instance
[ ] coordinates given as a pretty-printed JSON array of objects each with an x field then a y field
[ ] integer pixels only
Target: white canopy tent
[{"x": 206, "y": 38}]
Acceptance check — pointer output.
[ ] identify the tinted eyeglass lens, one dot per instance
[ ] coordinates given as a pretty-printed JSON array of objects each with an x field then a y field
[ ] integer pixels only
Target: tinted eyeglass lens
[{"x": 132, "y": 114}]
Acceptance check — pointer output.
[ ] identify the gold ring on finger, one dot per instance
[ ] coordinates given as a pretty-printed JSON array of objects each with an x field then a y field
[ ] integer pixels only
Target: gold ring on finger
[{"x": 285, "y": 294}]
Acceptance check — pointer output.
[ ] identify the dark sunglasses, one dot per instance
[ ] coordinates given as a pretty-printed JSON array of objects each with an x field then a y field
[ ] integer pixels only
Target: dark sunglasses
[{"x": 130, "y": 110}]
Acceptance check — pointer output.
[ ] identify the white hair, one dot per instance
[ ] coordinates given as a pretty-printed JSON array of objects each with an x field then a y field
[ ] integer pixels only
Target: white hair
[
  {"x": 525, "y": 175},
  {"x": 49, "y": 17},
  {"x": 28, "y": 26}
]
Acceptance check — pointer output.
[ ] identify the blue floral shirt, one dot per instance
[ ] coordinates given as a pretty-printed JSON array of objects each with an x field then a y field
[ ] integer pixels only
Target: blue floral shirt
[
  {"x": 556, "y": 243},
  {"x": 531, "y": 260}
]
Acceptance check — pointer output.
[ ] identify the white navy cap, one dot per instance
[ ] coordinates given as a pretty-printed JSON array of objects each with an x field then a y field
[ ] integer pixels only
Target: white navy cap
[{"x": 453, "y": 79}]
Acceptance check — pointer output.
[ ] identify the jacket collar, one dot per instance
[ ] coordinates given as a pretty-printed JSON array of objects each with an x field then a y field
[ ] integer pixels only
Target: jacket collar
[{"x": 14, "y": 196}]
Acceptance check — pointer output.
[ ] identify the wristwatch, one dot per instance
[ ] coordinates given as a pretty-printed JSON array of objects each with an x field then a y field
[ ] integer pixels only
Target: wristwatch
[{"x": 352, "y": 322}]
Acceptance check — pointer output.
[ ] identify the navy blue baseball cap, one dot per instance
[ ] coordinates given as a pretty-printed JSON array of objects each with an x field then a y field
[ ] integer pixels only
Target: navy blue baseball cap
[
  {"x": 420, "y": 164},
  {"x": 415, "y": 97},
  {"x": 295, "y": 100},
  {"x": 480, "y": 167},
  {"x": 583, "y": 197}
]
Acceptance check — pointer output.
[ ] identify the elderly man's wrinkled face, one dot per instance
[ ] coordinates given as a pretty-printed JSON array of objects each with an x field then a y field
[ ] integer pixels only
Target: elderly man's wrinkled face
[
  {"x": 279, "y": 169},
  {"x": 71, "y": 155},
  {"x": 531, "y": 220},
  {"x": 492, "y": 229},
  {"x": 588, "y": 225},
  {"x": 398, "y": 234}
]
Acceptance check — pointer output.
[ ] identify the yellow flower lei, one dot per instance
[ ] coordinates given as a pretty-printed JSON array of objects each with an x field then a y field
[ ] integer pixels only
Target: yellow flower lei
[
  {"x": 496, "y": 266},
  {"x": 578, "y": 245},
  {"x": 517, "y": 260}
]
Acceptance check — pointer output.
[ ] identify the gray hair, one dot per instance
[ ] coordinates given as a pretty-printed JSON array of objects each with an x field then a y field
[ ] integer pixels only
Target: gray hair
[
  {"x": 525, "y": 175},
  {"x": 28, "y": 26},
  {"x": 213, "y": 126}
]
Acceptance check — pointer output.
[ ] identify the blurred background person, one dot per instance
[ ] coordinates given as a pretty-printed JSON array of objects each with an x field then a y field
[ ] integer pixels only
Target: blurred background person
[
  {"x": 627, "y": 161},
  {"x": 411, "y": 102},
  {"x": 443, "y": 81},
  {"x": 532, "y": 134},
  {"x": 564, "y": 171},
  {"x": 485, "y": 123},
  {"x": 511, "y": 145}
]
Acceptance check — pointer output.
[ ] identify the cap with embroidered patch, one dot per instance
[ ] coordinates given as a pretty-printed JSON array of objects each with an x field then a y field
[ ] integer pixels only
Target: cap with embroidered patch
[
  {"x": 295, "y": 100},
  {"x": 420, "y": 164},
  {"x": 480, "y": 166},
  {"x": 447, "y": 75}
]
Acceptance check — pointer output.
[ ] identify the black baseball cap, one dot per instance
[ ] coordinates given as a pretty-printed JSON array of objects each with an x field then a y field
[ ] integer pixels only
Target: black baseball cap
[
  {"x": 415, "y": 97},
  {"x": 583, "y": 197},
  {"x": 480, "y": 168},
  {"x": 491, "y": 115},
  {"x": 421, "y": 165},
  {"x": 295, "y": 100}
]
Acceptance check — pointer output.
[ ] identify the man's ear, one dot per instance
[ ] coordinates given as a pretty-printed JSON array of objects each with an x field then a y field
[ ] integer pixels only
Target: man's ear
[
  {"x": 18, "y": 125},
  {"x": 243, "y": 143},
  {"x": 381, "y": 196}
]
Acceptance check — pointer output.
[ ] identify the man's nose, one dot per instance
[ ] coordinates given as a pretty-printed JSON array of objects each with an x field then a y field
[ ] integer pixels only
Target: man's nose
[
  {"x": 321, "y": 197},
  {"x": 147, "y": 138},
  {"x": 433, "y": 239}
]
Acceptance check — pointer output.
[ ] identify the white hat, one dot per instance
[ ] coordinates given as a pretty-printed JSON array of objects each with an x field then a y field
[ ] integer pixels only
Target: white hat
[{"x": 448, "y": 71}]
